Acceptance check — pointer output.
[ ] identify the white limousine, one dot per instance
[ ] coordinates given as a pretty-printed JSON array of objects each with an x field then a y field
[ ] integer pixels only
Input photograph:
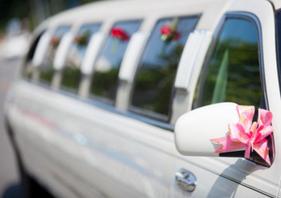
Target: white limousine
[{"x": 163, "y": 98}]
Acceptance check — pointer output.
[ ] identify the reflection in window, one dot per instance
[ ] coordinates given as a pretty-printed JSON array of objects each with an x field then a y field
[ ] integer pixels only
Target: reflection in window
[
  {"x": 154, "y": 81},
  {"x": 28, "y": 67},
  {"x": 71, "y": 72},
  {"x": 27, "y": 70},
  {"x": 105, "y": 79},
  {"x": 232, "y": 72},
  {"x": 47, "y": 69},
  {"x": 278, "y": 29}
]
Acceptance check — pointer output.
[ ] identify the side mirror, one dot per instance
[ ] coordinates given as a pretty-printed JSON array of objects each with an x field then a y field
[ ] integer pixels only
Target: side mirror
[{"x": 196, "y": 130}]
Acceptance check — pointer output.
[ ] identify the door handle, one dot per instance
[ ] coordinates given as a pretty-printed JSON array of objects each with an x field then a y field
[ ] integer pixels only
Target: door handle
[{"x": 186, "y": 180}]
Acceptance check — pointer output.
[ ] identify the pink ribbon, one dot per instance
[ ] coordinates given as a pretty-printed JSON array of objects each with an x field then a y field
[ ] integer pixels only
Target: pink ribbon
[{"x": 247, "y": 135}]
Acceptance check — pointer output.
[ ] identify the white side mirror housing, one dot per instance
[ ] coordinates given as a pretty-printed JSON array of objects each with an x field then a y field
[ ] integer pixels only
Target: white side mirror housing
[
  {"x": 198, "y": 132},
  {"x": 195, "y": 129}
]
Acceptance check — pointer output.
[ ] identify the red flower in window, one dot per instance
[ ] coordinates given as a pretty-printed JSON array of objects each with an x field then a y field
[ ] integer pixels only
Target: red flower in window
[
  {"x": 169, "y": 31},
  {"x": 55, "y": 41},
  {"x": 120, "y": 34}
]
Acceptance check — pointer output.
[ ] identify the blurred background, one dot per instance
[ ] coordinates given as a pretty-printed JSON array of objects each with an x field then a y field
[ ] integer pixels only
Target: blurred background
[
  {"x": 17, "y": 21},
  {"x": 19, "y": 18}
]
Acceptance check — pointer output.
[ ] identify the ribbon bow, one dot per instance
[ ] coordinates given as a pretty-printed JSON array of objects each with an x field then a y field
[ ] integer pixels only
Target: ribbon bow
[{"x": 246, "y": 134}]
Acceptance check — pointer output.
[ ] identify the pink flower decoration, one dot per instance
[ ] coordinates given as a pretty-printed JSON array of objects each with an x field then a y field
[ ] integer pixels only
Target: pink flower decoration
[
  {"x": 120, "y": 34},
  {"x": 248, "y": 135}
]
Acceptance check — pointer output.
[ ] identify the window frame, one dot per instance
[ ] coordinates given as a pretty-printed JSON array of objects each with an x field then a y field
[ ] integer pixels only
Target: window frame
[
  {"x": 30, "y": 54},
  {"x": 146, "y": 114},
  {"x": 103, "y": 99},
  {"x": 75, "y": 33},
  {"x": 168, "y": 125},
  {"x": 250, "y": 17},
  {"x": 53, "y": 32},
  {"x": 278, "y": 43}
]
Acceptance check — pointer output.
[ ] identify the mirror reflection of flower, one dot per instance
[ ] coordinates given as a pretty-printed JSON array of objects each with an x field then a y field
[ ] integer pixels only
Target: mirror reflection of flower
[
  {"x": 82, "y": 39},
  {"x": 119, "y": 35},
  {"x": 55, "y": 41}
]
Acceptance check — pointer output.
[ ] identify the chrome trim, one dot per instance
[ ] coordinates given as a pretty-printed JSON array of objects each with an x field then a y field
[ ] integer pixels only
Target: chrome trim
[{"x": 186, "y": 180}]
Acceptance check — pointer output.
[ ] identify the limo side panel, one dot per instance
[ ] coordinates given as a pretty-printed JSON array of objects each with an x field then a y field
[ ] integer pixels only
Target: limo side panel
[{"x": 110, "y": 156}]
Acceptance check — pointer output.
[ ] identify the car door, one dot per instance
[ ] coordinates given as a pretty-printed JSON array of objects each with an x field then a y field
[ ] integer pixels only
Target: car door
[{"x": 219, "y": 80}]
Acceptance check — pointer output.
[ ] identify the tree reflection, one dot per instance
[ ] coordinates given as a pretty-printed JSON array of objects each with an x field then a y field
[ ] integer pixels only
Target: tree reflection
[
  {"x": 47, "y": 68},
  {"x": 105, "y": 78},
  {"x": 241, "y": 78},
  {"x": 157, "y": 70},
  {"x": 71, "y": 74}
]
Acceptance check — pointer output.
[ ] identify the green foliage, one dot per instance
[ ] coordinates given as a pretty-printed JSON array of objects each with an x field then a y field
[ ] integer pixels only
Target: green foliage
[
  {"x": 27, "y": 71},
  {"x": 71, "y": 78},
  {"x": 104, "y": 84},
  {"x": 46, "y": 74},
  {"x": 159, "y": 81},
  {"x": 237, "y": 73}
]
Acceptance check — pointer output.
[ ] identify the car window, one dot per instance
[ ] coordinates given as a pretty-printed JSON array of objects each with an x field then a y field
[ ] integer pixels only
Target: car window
[
  {"x": 28, "y": 67},
  {"x": 105, "y": 78},
  {"x": 232, "y": 72},
  {"x": 46, "y": 69},
  {"x": 278, "y": 30},
  {"x": 71, "y": 72},
  {"x": 152, "y": 92}
]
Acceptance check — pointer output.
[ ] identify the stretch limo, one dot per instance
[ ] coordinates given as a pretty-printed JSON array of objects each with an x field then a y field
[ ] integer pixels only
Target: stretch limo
[{"x": 162, "y": 98}]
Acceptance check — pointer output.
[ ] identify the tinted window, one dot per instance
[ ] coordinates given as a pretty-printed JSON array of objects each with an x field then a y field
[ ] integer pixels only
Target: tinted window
[
  {"x": 46, "y": 69},
  {"x": 232, "y": 71},
  {"x": 105, "y": 78},
  {"x": 28, "y": 67},
  {"x": 278, "y": 29},
  {"x": 154, "y": 80},
  {"x": 71, "y": 72}
]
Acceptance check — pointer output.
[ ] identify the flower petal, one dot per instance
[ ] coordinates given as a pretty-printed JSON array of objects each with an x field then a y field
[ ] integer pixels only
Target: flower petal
[
  {"x": 265, "y": 117},
  {"x": 225, "y": 144},
  {"x": 263, "y": 133},
  {"x": 246, "y": 115},
  {"x": 237, "y": 133},
  {"x": 263, "y": 151}
]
